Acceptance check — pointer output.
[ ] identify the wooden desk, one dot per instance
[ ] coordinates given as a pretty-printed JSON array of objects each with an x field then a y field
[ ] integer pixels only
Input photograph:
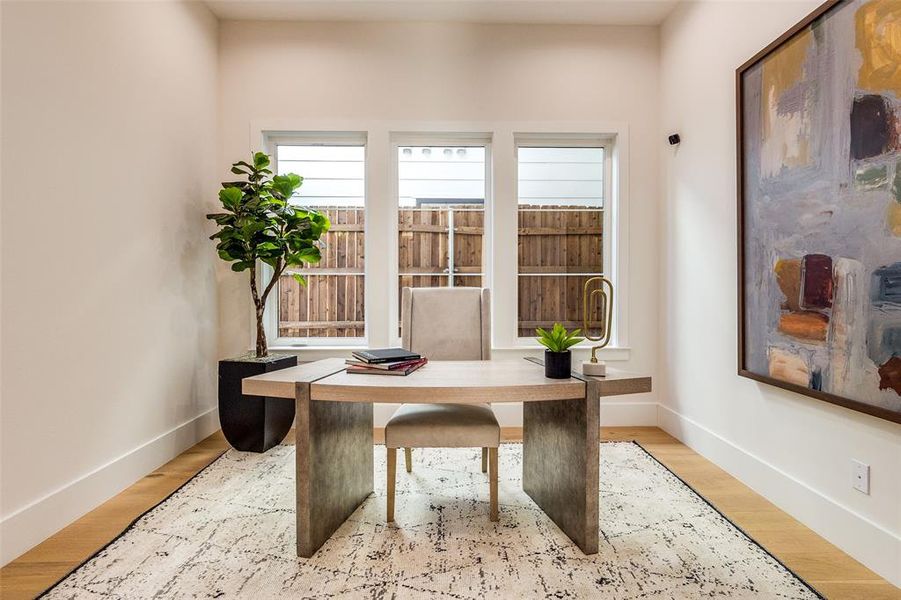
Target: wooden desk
[{"x": 334, "y": 433}]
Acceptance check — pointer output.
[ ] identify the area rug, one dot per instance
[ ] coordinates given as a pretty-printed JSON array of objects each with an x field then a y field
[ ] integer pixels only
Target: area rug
[{"x": 229, "y": 533}]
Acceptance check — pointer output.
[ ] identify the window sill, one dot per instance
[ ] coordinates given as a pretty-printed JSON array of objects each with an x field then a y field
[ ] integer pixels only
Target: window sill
[
  {"x": 580, "y": 353},
  {"x": 313, "y": 352}
]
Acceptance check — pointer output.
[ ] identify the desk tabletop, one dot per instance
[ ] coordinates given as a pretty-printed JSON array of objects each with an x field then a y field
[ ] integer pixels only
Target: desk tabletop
[
  {"x": 465, "y": 381},
  {"x": 473, "y": 382}
]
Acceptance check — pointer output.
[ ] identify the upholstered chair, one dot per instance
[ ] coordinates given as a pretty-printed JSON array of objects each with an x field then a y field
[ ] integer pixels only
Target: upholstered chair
[{"x": 445, "y": 324}]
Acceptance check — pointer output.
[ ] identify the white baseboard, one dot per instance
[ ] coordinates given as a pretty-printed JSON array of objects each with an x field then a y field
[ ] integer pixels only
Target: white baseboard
[
  {"x": 866, "y": 541},
  {"x": 613, "y": 414},
  {"x": 628, "y": 414},
  {"x": 35, "y": 522}
]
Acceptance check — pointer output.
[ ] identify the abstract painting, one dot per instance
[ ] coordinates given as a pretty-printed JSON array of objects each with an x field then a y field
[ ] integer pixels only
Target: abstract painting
[{"x": 819, "y": 208}]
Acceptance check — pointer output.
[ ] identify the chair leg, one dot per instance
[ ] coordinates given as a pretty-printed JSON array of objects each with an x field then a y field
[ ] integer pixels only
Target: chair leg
[
  {"x": 408, "y": 458},
  {"x": 392, "y": 476},
  {"x": 492, "y": 477},
  {"x": 484, "y": 460}
]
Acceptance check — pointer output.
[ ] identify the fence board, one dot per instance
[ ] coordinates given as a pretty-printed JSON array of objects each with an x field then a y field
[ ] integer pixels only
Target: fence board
[{"x": 554, "y": 244}]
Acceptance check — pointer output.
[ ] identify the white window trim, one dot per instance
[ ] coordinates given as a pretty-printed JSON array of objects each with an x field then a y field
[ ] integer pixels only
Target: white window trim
[
  {"x": 615, "y": 138},
  {"x": 401, "y": 139},
  {"x": 501, "y": 266},
  {"x": 578, "y": 140},
  {"x": 271, "y": 141}
]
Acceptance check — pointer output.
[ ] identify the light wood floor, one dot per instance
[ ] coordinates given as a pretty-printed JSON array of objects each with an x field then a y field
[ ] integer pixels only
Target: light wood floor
[{"x": 828, "y": 569}]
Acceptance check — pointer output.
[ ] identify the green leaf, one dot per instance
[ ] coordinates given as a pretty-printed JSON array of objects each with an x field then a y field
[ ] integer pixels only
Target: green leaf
[
  {"x": 319, "y": 223},
  {"x": 310, "y": 255},
  {"x": 242, "y": 265},
  {"x": 252, "y": 228},
  {"x": 231, "y": 198},
  {"x": 225, "y": 234},
  {"x": 260, "y": 160},
  {"x": 286, "y": 184},
  {"x": 243, "y": 185},
  {"x": 571, "y": 342},
  {"x": 299, "y": 279},
  {"x": 222, "y": 218},
  {"x": 558, "y": 339}
]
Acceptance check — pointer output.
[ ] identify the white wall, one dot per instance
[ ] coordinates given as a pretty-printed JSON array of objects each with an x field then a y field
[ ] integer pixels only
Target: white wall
[
  {"x": 794, "y": 450},
  {"x": 109, "y": 308},
  {"x": 453, "y": 72}
]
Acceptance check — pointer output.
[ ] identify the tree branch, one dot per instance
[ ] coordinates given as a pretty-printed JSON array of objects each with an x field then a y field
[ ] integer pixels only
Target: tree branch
[
  {"x": 253, "y": 287},
  {"x": 279, "y": 269}
]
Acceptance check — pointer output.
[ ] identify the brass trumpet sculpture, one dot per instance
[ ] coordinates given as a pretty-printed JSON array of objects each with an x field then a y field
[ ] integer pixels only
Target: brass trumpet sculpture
[{"x": 600, "y": 298}]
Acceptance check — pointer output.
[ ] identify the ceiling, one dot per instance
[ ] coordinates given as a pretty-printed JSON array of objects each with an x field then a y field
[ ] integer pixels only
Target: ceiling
[{"x": 568, "y": 12}]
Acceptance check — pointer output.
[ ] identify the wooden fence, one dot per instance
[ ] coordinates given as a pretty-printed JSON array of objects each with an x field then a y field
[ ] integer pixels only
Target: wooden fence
[
  {"x": 559, "y": 247},
  {"x": 332, "y": 302},
  {"x": 553, "y": 241}
]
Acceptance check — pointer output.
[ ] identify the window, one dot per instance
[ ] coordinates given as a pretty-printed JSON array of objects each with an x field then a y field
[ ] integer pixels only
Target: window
[
  {"x": 531, "y": 212},
  {"x": 441, "y": 216},
  {"x": 332, "y": 303},
  {"x": 560, "y": 231}
]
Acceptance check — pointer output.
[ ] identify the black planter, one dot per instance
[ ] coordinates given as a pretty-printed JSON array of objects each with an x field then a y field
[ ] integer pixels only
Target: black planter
[
  {"x": 253, "y": 423},
  {"x": 557, "y": 365}
]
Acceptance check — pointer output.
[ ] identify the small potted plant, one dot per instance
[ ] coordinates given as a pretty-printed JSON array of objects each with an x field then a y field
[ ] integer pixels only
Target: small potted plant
[
  {"x": 558, "y": 357},
  {"x": 259, "y": 225}
]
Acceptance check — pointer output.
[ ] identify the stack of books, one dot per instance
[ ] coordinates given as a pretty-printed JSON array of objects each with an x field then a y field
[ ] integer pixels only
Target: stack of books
[{"x": 385, "y": 361}]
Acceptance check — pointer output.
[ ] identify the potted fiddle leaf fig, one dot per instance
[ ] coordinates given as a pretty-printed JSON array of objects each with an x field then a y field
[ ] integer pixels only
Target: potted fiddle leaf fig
[
  {"x": 258, "y": 225},
  {"x": 557, "y": 356}
]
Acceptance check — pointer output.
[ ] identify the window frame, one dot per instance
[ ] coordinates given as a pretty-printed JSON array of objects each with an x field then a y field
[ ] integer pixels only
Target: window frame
[
  {"x": 575, "y": 140},
  {"x": 271, "y": 312},
  {"x": 501, "y": 264},
  {"x": 401, "y": 139}
]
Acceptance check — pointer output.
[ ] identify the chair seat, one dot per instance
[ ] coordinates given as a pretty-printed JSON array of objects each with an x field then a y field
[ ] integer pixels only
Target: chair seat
[{"x": 443, "y": 426}]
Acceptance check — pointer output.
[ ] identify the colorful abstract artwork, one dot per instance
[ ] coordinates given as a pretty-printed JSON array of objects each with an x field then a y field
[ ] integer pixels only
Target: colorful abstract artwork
[{"x": 819, "y": 129}]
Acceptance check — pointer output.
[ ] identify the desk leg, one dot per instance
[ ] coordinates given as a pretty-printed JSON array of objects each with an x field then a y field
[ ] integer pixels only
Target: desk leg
[
  {"x": 334, "y": 466},
  {"x": 560, "y": 463}
]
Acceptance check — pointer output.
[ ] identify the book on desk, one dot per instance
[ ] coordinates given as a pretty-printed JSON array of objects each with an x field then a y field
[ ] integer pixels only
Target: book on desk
[{"x": 385, "y": 361}]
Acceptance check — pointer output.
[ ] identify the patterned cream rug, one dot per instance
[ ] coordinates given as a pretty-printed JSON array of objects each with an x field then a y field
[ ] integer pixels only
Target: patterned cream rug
[{"x": 229, "y": 533}]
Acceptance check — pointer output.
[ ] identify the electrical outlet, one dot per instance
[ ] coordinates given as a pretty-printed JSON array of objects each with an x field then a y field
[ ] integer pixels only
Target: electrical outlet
[{"x": 860, "y": 476}]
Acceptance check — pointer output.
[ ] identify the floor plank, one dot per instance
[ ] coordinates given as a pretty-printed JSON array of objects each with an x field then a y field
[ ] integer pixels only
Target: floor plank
[{"x": 832, "y": 572}]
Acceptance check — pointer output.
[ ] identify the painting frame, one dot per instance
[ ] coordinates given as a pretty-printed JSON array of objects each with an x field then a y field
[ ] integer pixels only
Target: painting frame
[{"x": 742, "y": 228}]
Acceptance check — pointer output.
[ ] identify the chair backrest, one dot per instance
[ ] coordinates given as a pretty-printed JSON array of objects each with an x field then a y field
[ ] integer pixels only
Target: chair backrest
[{"x": 447, "y": 323}]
